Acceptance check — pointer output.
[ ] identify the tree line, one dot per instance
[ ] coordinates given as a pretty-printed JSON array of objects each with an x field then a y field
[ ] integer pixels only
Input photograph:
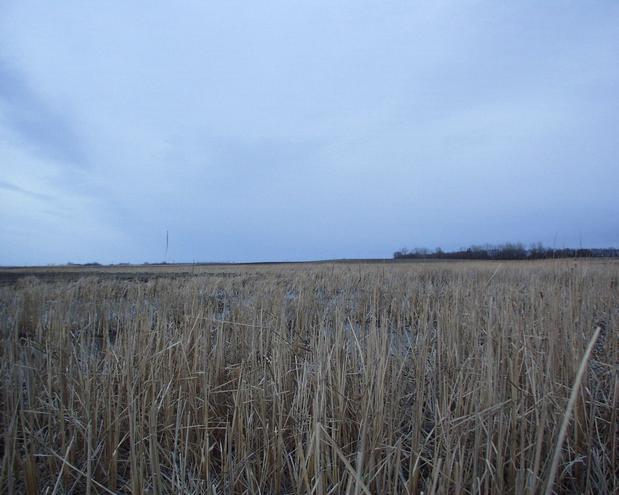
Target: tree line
[{"x": 507, "y": 251}]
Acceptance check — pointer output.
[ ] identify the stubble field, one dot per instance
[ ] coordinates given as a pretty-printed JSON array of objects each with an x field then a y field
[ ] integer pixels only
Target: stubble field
[{"x": 454, "y": 377}]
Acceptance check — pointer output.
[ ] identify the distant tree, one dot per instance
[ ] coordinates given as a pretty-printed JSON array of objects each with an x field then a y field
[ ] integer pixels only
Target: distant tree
[
  {"x": 511, "y": 251},
  {"x": 537, "y": 251},
  {"x": 402, "y": 253},
  {"x": 507, "y": 251},
  {"x": 421, "y": 252}
]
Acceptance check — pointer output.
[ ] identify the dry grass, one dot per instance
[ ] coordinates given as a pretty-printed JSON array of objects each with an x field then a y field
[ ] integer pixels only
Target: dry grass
[{"x": 394, "y": 378}]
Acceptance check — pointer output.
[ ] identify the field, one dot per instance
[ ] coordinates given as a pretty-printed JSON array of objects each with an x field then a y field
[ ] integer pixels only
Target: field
[{"x": 453, "y": 377}]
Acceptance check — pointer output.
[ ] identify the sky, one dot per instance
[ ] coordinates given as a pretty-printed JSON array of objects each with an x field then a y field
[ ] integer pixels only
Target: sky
[{"x": 297, "y": 130}]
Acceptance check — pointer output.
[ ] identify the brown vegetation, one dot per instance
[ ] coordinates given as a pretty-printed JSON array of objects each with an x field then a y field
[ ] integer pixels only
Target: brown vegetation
[{"x": 372, "y": 378}]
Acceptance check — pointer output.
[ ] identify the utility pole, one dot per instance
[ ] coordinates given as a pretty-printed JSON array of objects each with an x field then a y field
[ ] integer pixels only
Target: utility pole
[{"x": 167, "y": 244}]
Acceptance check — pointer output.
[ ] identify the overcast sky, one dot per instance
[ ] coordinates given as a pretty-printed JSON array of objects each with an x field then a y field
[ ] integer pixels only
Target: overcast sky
[{"x": 285, "y": 130}]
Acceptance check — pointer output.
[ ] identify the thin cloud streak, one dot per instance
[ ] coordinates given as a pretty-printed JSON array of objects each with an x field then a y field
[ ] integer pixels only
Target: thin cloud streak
[
  {"x": 7, "y": 186},
  {"x": 35, "y": 123}
]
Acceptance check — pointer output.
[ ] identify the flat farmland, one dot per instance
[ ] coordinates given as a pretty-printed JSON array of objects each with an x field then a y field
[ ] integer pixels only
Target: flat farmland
[{"x": 408, "y": 377}]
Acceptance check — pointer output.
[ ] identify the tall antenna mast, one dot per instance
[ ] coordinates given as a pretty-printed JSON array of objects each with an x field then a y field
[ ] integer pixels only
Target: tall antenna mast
[{"x": 167, "y": 244}]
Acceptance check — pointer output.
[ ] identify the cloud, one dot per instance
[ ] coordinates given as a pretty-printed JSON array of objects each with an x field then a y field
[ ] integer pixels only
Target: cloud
[
  {"x": 307, "y": 129},
  {"x": 8, "y": 186},
  {"x": 37, "y": 123}
]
